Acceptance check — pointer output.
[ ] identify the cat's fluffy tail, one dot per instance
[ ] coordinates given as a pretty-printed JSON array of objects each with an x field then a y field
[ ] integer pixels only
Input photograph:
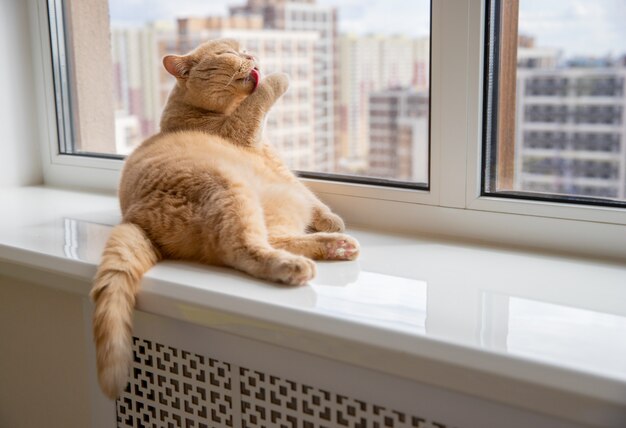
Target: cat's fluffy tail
[{"x": 127, "y": 256}]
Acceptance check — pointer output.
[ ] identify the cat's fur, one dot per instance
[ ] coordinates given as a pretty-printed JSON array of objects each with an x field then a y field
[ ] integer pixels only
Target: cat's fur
[{"x": 207, "y": 188}]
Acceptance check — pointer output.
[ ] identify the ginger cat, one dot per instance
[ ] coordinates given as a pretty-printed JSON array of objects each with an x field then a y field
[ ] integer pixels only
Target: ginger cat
[{"x": 207, "y": 188}]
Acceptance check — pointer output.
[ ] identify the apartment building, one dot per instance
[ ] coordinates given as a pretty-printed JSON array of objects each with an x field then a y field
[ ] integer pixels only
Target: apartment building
[
  {"x": 307, "y": 15},
  {"x": 398, "y": 135},
  {"x": 141, "y": 85},
  {"x": 370, "y": 64},
  {"x": 571, "y": 131}
]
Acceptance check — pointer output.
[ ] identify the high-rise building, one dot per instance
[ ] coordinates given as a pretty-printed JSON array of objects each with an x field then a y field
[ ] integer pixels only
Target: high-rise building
[
  {"x": 306, "y": 15},
  {"x": 291, "y": 126},
  {"x": 571, "y": 131},
  {"x": 398, "y": 135},
  {"x": 421, "y": 64},
  {"x": 570, "y": 124},
  {"x": 141, "y": 84},
  {"x": 370, "y": 64},
  {"x": 529, "y": 55}
]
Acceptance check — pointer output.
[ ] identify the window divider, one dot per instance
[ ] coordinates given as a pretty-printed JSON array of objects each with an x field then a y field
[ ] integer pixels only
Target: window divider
[{"x": 505, "y": 117}]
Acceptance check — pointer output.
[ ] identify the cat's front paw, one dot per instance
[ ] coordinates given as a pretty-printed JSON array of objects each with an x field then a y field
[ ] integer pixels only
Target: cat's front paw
[
  {"x": 294, "y": 270},
  {"x": 278, "y": 82}
]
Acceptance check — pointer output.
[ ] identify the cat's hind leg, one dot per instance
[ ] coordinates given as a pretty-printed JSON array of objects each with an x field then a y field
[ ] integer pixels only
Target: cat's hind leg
[
  {"x": 318, "y": 246},
  {"x": 240, "y": 239}
]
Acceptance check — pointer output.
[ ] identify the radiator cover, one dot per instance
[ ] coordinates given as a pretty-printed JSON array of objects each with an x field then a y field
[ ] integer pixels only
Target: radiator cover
[{"x": 171, "y": 387}]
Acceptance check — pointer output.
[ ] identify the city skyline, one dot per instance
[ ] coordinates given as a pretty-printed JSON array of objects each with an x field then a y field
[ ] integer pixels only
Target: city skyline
[
  {"x": 327, "y": 130},
  {"x": 570, "y": 25},
  {"x": 355, "y": 15},
  {"x": 364, "y": 110}
]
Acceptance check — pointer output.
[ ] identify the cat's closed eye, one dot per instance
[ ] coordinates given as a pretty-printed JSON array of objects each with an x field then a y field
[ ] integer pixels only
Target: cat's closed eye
[{"x": 207, "y": 69}]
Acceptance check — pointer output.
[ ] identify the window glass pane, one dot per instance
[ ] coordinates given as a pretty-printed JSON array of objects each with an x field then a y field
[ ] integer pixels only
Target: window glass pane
[
  {"x": 557, "y": 90},
  {"x": 358, "y": 102}
]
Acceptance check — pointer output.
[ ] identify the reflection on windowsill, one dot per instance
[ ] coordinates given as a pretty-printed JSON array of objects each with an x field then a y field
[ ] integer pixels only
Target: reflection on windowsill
[
  {"x": 374, "y": 298},
  {"x": 573, "y": 337}
]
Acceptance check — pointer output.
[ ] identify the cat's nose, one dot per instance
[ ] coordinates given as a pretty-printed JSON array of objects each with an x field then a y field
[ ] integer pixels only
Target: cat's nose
[{"x": 250, "y": 57}]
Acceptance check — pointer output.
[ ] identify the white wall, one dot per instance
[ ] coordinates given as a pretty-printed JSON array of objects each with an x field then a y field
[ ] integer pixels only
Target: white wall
[
  {"x": 20, "y": 159},
  {"x": 44, "y": 377}
]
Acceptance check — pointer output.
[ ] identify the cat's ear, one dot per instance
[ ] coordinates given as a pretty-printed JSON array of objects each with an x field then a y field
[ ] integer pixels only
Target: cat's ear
[{"x": 177, "y": 66}]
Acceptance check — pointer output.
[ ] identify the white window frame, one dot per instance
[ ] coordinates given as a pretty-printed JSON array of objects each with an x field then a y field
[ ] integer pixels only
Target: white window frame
[{"x": 453, "y": 206}]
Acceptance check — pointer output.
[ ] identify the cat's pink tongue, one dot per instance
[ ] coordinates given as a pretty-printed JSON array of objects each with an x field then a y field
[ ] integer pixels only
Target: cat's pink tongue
[{"x": 256, "y": 76}]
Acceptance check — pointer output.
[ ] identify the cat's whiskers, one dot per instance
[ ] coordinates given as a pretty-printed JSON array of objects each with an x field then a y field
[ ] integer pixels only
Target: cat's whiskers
[
  {"x": 231, "y": 79},
  {"x": 241, "y": 64}
]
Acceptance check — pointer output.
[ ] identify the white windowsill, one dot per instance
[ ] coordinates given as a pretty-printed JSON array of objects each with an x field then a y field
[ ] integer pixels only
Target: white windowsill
[{"x": 536, "y": 331}]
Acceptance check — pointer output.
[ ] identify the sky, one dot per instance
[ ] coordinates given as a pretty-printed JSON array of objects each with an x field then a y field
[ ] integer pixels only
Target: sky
[{"x": 578, "y": 27}]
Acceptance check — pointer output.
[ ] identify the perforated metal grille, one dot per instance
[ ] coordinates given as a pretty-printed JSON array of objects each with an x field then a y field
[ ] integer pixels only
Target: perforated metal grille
[{"x": 170, "y": 387}]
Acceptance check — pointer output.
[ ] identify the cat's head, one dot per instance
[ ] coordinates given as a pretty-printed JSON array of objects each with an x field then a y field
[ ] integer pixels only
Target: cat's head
[{"x": 215, "y": 76}]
